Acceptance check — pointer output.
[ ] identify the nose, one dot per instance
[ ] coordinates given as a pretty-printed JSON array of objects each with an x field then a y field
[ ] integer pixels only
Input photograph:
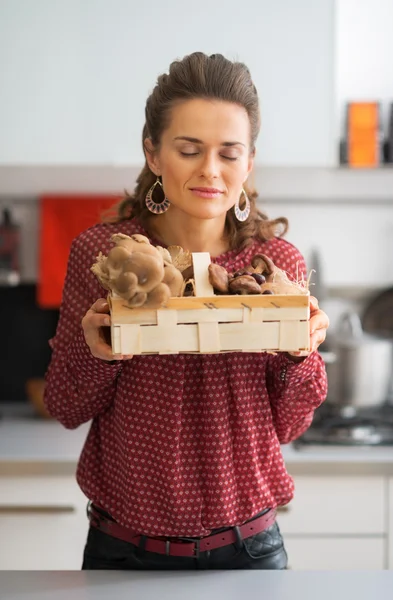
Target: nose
[{"x": 210, "y": 166}]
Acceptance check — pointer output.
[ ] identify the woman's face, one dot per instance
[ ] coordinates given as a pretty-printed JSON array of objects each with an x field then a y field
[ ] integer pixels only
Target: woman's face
[{"x": 204, "y": 157}]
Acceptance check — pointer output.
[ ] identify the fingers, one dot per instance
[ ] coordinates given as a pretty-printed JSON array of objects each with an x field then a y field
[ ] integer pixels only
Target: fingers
[
  {"x": 319, "y": 323},
  {"x": 94, "y": 323},
  {"x": 100, "y": 306}
]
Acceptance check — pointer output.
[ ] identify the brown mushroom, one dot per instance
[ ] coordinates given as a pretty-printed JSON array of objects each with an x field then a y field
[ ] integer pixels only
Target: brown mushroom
[
  {"x": 188, "y": 273},
  {"x": 173, "y": 279},
  {"x": 245, "y": 284},
  {"x": 157, "y": 297},
  {"x": 137, "y": 300},
  {"x": 264, "y": 265},
  {"x": 126, "y": 285},
  {"x": 218, "y": 278},
  {"x": 117, "y": 256},
  {"x": 135, "y": 243},
  {"x": 148, "y": 270}
]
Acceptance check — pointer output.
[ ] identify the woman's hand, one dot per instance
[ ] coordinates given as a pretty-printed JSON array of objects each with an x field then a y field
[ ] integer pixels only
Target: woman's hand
[
  {"x": 319, "y": 323},
  {"x": 94, "y": 325}
]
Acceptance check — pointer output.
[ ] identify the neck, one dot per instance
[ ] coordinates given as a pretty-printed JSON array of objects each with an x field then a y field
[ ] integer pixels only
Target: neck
[{"x": 195, "y": 235}]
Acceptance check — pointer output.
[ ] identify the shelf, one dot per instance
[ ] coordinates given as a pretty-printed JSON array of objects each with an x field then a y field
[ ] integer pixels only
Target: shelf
[{"x": 274, "y": 184}]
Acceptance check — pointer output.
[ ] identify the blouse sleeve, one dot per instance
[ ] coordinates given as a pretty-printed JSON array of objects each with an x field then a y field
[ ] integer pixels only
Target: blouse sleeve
[
  {"x": 78, "y": 386},
  {"x": 295, "y": 389}
]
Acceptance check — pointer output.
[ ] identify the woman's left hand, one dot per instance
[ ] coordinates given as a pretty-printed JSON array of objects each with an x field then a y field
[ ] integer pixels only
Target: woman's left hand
[{"x": 319, "y": 322}]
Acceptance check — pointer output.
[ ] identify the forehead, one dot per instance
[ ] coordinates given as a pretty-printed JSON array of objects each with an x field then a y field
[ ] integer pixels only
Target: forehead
[{"x": 211, "y": 121}]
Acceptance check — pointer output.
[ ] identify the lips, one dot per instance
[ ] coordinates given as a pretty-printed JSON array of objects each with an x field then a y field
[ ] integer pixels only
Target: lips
[
  {"x": 207, "y": 193},
  {"x": 207, "y": 190}
]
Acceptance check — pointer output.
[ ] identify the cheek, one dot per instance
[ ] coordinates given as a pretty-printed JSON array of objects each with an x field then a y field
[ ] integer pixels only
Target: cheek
[
  {"x": 176, "y": 173},
  {"x": 237, "y": 176}
]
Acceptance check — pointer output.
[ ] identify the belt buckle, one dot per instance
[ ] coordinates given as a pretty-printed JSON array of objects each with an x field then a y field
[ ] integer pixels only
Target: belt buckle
[{"x": 196, "y": 550}]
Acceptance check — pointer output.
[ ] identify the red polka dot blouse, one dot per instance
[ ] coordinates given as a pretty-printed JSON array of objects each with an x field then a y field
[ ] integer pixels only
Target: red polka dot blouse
[{"x": 179, "y": 444}]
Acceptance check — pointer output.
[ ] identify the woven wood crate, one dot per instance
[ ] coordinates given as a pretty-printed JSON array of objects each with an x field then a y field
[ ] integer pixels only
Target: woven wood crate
[{"x": 206, "y": 323}]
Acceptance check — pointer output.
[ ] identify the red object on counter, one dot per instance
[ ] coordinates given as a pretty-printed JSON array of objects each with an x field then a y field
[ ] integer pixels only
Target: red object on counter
[{"x": 62, "y": 218}]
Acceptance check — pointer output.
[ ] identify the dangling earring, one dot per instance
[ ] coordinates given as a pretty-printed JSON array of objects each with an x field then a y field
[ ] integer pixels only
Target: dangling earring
[
  {"x": 242, "y": 214},
  {"x": 154, "y": 207}
]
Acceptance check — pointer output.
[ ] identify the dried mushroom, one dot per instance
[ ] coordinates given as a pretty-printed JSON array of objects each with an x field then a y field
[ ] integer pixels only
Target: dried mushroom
[
  {"x": 244, "y": 284},
  {"x": 219, "y": 278},
  {"x": 261, "y": 277},
  {"x": 138, "y": 272}
]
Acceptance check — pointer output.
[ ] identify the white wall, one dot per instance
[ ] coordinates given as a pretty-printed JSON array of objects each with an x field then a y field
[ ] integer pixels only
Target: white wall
[
  {"x": 355, "y": 242},
  {"x": 364, "y": 52},
  {"x": 75, "y": 74}
]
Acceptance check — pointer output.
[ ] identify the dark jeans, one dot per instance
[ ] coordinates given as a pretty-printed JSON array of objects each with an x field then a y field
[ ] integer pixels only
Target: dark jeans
[{"x": 264, "y": 550}]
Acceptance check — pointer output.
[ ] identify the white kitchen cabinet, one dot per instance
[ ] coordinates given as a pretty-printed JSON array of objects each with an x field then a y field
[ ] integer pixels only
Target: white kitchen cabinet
[
  {"x": 43, "y": 524},
  {"x": 389, "y": 518},
  {"x": 336, "y": 553},
  {"x": 336, "y": 505},
  {"x": 336, "y": 522}
]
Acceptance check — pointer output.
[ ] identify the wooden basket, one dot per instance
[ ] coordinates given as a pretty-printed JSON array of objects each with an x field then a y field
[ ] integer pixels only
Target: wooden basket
[{"x": 206, "y": 323}]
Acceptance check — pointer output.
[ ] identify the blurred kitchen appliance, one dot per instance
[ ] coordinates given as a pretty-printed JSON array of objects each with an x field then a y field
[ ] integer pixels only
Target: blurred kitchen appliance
[
  {"x": 377, "y": 316},
  {"x": 317, "y": 283},
  {"x": 363, "y": 367},
  {"x": 9, "y": 250},
  {"x": 345, "y": 426}
]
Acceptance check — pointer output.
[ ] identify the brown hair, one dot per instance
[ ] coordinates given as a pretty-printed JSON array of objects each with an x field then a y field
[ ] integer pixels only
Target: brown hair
[{"x": 200, "y": 76}]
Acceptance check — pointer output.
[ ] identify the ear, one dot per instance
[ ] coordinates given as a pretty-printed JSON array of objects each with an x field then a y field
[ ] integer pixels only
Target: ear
[
  {"x": 152, "y": 157},
  {"x": 251, "y": 162}
]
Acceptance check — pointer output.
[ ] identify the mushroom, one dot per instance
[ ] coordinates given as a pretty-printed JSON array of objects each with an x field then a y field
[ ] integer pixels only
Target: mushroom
[
  {"x": 218, "y": 278},
  {"x": 135, "y": 243},
  {"x": 264, "y": 265},
  {"x": 148, "y": 270},
  {"x": 173, "y": 279},
  {"x": 245, "y": 284},
  {"x": 158, "y": 297},
  {"x": 188, "y": 273}
]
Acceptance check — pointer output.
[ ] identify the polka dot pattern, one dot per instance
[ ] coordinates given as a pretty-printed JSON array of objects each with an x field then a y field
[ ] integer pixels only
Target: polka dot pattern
[{"x": 179, "y": 444}]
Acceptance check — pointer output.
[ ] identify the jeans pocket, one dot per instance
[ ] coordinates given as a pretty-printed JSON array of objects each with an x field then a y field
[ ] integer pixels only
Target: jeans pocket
[
  {"x": 268, "y": 547},
  {"x": 103, "y": 551}
]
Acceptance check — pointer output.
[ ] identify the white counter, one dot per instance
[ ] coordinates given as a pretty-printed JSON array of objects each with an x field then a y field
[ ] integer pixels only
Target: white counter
[
  {"x": 181, "y": 585},
  {"x": 46, "y": 446}
]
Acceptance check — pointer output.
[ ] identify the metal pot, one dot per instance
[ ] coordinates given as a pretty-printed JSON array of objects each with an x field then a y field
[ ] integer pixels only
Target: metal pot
[{"x": 362, "y": 371}]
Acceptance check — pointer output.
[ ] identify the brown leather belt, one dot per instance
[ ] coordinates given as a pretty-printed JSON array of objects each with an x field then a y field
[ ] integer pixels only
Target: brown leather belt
[{"x": 233, "y": 535}]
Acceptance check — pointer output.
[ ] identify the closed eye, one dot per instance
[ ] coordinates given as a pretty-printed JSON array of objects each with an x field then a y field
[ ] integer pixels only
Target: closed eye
[{"x": 196, "y": 154}]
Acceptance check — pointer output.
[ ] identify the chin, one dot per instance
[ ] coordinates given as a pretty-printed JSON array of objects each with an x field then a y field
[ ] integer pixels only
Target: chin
[{"x": 208, "y": 215}]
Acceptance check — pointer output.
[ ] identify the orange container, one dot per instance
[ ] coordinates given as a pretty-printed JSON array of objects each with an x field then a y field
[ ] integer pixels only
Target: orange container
[{"x": 363, "y": 134}]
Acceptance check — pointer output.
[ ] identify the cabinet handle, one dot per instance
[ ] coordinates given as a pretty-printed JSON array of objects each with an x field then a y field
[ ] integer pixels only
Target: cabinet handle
[
  {"x": 283, "y": 509},
  {"x": 9, "y": 509}
]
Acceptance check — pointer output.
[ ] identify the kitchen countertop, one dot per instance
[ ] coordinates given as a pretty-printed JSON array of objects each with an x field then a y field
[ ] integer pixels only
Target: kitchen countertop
[
  {"x": 34, "y": 445},
  {"x": 232, "y": 585}
]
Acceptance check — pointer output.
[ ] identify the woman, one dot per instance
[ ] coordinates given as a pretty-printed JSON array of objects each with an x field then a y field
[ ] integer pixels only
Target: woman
[{"x": 182, "y": 464}]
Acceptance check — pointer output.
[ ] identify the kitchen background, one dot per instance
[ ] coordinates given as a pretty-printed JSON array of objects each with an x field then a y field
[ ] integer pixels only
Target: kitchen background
[{"x": 74, "y": 77}]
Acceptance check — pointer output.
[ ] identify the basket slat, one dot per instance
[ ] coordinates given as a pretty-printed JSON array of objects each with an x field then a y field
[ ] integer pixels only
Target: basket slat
[
  {"x": 293, "y": 330},
  {"x": 209, "y": 337},
  {"x": 201, "y": 262}
]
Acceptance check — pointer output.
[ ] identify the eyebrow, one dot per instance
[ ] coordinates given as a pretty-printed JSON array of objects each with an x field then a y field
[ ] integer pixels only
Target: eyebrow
[{"x": 196, "y": 141}]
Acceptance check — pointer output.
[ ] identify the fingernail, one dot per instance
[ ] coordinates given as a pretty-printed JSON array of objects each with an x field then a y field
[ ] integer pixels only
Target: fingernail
[{"x": 107, "y": 321}]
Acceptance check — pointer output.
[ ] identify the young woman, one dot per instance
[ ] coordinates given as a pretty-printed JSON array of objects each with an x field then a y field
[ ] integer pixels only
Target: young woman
[{"x": 182, "y": 465}]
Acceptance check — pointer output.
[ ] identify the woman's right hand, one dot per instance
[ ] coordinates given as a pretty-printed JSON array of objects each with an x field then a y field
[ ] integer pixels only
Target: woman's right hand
[{"x": 94, "y": 325}]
